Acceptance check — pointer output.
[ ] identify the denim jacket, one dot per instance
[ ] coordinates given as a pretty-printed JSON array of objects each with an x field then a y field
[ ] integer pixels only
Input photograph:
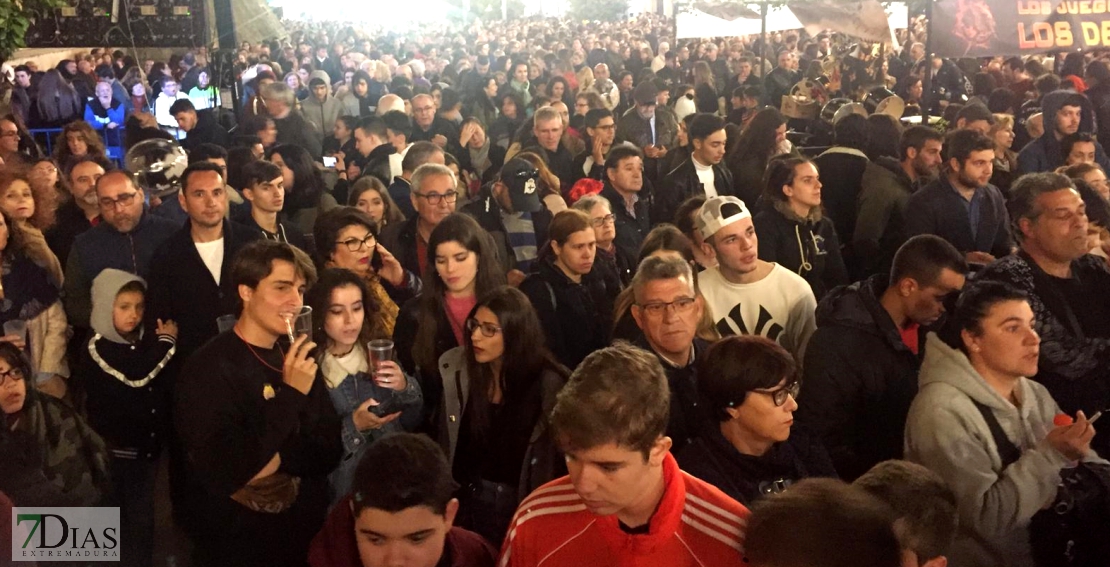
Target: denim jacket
[{"x": 347, "y": 397}]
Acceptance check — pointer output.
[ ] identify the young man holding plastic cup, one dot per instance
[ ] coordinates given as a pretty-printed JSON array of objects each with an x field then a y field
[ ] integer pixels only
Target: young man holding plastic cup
[{"x": 258, "y": 431}]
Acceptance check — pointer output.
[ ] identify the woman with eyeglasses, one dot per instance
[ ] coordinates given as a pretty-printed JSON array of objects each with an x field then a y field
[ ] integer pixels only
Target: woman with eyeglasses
[
  {"x": 466, "y": 267},
  {"x": 498, "y": 387},
  {"x": 372, "y": 401},
  {"x": 50, "y": 455},
  {"x": 347, "y": 238},
  {"x": 749, "y": 387}
]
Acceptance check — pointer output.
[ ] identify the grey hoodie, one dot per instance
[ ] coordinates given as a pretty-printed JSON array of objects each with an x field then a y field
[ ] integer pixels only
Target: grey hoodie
[
  {"x": 105, "y": 288},
  {"x": 946, "y": 433},
  {"x": 322, "y": 114}
]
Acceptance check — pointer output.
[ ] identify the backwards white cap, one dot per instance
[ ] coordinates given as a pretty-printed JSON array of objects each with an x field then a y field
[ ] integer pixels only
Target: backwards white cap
[{"x": 719, "y": 212}]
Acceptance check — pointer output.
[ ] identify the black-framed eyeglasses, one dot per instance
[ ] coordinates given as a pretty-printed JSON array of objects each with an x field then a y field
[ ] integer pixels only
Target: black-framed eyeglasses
[
  {"x": 778, "y": 395},
  {"x": 13, "y": 373},
  {"x": 602, "y": 221},
  {"x": 680, "y": 306},
  {"x": 488, "y": 329},
  {"x": 356, "y": 244},
  {"x": 435, "y": 198},
  {"x": 124, "y": 200}
]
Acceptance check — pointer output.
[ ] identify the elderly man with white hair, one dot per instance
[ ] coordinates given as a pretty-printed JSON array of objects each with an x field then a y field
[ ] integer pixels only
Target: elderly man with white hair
[
  {"x": 291, "y": 126},
  {"x": 390, "y": 102}
]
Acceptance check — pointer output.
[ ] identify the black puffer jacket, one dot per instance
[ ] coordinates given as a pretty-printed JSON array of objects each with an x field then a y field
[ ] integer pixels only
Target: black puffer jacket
[
  {"x": 808, "y": 247},
  {"x": 576, "y": 317},
  {"x": 859, "y": 379}
]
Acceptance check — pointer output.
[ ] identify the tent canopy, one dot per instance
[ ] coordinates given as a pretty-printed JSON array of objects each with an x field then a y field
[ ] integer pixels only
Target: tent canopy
[{"x": 866, "y": 19}]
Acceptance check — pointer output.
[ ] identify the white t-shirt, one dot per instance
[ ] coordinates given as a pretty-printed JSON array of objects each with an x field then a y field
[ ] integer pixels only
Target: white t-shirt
[
  {"x": 212, "y": 254},
  {"x": 705, "y": 175},
  {"x": 780, "y": 307}
]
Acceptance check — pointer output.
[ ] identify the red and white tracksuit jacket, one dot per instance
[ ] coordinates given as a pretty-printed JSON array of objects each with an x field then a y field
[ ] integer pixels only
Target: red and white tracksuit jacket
[{"x": 695, "y": 525}]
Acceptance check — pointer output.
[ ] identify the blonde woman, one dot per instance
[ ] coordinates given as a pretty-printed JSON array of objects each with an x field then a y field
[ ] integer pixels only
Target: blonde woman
[{"x": 1005, "y": 158}]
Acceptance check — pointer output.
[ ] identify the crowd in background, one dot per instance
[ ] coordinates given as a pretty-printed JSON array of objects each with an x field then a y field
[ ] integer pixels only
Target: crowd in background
[{"x": 584, "y": 248}]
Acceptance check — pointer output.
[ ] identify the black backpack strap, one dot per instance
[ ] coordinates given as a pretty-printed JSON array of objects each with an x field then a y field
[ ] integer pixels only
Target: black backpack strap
[{"x": 1007, "y": 451}]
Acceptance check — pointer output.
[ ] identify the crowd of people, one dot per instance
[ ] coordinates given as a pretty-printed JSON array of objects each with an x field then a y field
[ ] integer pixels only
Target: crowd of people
[{"x": 551, "y": 293}]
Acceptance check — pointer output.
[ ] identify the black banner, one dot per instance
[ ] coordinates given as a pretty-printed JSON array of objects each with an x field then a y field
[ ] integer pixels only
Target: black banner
[{"x": 976, "y": 28}]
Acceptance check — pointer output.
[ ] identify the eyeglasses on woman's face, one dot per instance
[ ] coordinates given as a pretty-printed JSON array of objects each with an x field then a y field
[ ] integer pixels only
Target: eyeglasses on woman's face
[{"x": 488, "y": 329}]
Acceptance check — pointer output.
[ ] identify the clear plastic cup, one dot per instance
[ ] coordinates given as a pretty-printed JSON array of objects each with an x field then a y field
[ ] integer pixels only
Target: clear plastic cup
[{"x": 226, "y": 323}]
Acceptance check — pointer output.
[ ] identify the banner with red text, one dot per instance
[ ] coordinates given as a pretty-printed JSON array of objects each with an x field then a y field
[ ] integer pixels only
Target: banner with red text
[{"x": 976, "y": 28}]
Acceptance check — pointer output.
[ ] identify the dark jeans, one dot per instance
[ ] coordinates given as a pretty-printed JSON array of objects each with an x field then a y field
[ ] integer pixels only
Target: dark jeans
[
  {"x": 487, "y": 508},
  {"x": 134, "y": 486}
]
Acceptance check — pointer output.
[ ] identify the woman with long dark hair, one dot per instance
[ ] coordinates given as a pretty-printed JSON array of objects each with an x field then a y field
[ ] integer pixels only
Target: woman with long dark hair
[
  {"x": 481, "y": 101},
  {"x": 372, "y": 401},
  {"x": 466, "y": 267},
  {"x": 558, "y": 88},
  {"x": 506, "y": 125},
  {"x": 499, "y": 387},
  {"x": 57, "y": 102},
  {"x": 762, "y": 139},
  {"x": 369, "y": 195},
  {"x": 306, "y": 194},
  {"x": 358, "y": 100}
]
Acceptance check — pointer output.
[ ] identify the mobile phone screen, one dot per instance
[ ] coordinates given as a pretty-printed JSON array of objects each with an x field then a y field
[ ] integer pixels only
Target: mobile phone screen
[{"x": 330, "y": 161}]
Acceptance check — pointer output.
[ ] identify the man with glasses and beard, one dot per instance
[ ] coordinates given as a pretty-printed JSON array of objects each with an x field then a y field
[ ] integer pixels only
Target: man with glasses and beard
[{"x": 125, "y": 238}]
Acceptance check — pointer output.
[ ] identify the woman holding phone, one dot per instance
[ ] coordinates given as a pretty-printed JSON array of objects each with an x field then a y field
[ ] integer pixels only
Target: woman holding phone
[
  {"x": 347, "y": 238},
  {"x": 372, "y": 401},
  {"x": 498, "y": 388}
]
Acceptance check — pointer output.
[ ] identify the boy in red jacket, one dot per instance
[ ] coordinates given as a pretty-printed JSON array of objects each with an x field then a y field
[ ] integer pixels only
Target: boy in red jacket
[
  {"x": 625, "y": 502},
  {"x": 399, "y": 513}
]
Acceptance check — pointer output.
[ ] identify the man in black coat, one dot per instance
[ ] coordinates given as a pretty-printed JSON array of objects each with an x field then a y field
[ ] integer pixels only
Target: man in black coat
[
  {"x": 702, "y": 174},
  {"x": 860, "y": 371},
  {"x": 258, "y": 432},
  {"x": 842, "y": 168},
  {"x": 631, "y": 201},
  {"x": 200, "y": 127},
  {"x": 427, "y": 126},
  {"x": 548, "y": 128},
  {"x": 189, "y": 280},
  {"x": 961, "y": 206}
]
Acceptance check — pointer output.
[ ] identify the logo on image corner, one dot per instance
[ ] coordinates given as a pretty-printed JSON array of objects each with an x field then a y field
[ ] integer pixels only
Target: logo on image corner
[{"x": 65, "y": 534}]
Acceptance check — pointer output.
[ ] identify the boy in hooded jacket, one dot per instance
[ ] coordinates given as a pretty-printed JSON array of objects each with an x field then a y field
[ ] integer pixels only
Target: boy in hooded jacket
[{"x": 129, "y": 400}]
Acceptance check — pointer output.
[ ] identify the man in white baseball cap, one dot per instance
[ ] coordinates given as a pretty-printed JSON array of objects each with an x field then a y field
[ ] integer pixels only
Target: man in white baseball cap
[{"x": 746, "y": 295}]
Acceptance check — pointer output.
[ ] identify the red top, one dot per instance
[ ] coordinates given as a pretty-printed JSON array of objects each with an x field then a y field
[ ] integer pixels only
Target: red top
[
  {"x": 695, "y": 525},
  {"x": 910, "y": 337},
  {"x": 421, "y": 254}
]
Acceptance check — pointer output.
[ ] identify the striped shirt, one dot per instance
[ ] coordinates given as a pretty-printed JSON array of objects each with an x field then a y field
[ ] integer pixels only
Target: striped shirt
[{"x": 695, "y": 525}]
